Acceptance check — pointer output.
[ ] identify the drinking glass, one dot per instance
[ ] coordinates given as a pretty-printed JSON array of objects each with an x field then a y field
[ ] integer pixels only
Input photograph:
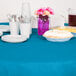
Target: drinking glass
[{"x": 72, "y": 17}]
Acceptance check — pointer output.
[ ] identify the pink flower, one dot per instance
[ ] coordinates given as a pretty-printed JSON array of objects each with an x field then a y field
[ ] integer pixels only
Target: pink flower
[
  {"x": 52, "y": 13},
  {"x": 50, "y": 10},
  {"x": 45, "y": 11},
  {"x": 40, "y": 11}
]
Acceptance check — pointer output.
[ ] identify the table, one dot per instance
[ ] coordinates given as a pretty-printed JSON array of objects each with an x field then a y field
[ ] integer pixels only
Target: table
[{"x": 38, "y": 57}]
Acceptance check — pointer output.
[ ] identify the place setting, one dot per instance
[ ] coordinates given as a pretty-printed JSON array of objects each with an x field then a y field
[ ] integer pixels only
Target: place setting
[
  {"x": 20, "y": 27},
  {"x": 19, "y": 30}
]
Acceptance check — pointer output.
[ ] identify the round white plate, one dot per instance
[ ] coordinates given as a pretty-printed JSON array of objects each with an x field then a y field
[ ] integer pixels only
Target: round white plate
[
  {"x": 4, "y": 28},
  {"x": 14, "y": 38},
  {"x": 58, "y": 40}
]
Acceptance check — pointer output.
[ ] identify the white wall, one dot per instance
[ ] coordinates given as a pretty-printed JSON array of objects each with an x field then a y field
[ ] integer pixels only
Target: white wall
[{"x": 14, "y": 6}]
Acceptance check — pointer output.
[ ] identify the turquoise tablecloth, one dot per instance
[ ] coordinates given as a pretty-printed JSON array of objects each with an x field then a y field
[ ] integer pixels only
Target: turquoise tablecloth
[{"x": 38, "y": 57}]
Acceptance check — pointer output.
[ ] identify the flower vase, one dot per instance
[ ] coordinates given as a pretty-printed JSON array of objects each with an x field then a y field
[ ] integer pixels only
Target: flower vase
[{"x": 43, "y": 24}]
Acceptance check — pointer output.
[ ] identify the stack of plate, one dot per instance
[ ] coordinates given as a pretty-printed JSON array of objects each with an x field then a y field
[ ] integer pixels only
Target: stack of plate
[
  {"x": 13, "y": 38},
  {"x": 10, "y": 38}
]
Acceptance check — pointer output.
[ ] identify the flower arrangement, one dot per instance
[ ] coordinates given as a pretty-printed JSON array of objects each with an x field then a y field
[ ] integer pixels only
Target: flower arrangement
[
  {"x": 45, "y": 11},
  {"x": 43, "y": 19}
]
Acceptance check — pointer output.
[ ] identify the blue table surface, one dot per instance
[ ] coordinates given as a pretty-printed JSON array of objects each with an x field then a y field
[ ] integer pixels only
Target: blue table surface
[{"x": 40, "y": 51}]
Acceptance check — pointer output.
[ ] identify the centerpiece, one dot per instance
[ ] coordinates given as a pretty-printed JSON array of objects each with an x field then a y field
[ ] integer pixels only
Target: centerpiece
[{"x": 43, "y": 19}]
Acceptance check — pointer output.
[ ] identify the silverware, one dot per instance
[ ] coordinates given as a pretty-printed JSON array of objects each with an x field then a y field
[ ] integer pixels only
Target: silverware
[{"x": 21, "y": 19}]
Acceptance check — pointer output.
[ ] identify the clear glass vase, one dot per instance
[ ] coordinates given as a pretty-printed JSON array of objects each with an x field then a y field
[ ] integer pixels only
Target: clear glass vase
[
  {"x": 26, "y": 14},
  {"x": 26, "y": 11},
  {"x": 43, "y": 24}
]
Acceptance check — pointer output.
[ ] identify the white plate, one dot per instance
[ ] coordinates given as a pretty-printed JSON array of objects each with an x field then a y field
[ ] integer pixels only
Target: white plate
[
  {"x": 4, "y": 28},
  {"x": 14, "y": 38},
  {"x": 58, "y": 40}
]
